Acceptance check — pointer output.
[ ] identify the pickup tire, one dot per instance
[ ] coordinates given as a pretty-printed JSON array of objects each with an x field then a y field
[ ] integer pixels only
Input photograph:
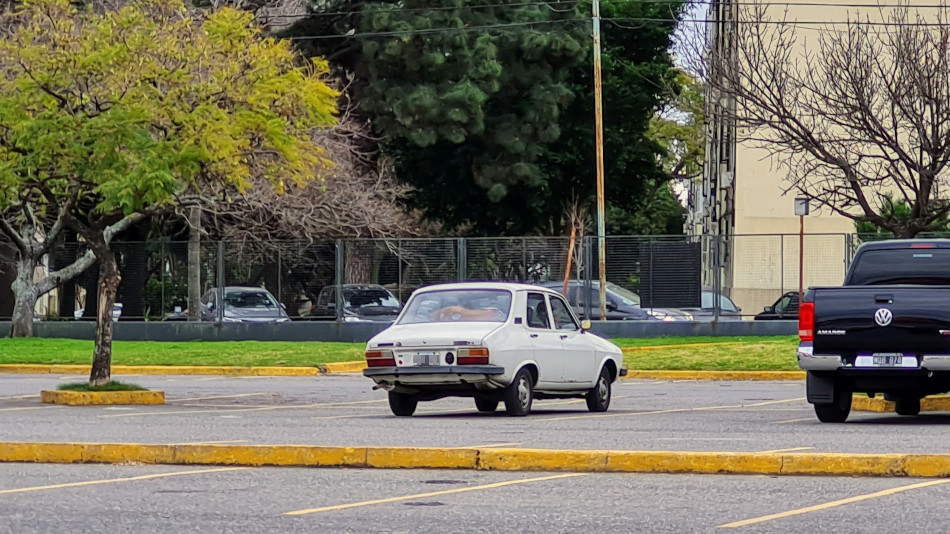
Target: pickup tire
[
  {"x": 520, "y": 394},
  {"x": 598, "y": 397},
  {"x": 907, "y": 406},
  {"x": 402, "y": 405},
  {"x": 485, "y": 404},
  {"x": 837, "y": 411}
]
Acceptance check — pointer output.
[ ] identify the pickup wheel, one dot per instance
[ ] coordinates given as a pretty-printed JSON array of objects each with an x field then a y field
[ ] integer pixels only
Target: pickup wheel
[
  {"x": 598, "y": 397},
  {"x": 907, "y": 406},
  {"x": 402, "y": 405},
  {"x": 519, "y": 394},
  {"x": 838, "y": 411},
  {"x": 485, "y": 404}
]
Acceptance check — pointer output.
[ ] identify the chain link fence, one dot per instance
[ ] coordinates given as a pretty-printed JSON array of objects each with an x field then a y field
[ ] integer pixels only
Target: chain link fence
[{"x": 679, "y": 275}]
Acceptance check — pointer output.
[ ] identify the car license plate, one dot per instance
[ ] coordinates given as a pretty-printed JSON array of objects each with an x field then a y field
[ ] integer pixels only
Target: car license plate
[
  {"x": 885, "y": 359},
  {"x": 425, "y": 358}
]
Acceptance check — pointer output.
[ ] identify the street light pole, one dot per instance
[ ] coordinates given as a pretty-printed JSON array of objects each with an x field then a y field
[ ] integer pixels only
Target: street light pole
[
  {"x": 599, "y": 141},
  {"x": 801, "y": 209}
]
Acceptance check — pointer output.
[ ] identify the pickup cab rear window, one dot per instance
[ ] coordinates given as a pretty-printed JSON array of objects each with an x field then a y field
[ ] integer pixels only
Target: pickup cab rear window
[{"x": 924, "y": 266}]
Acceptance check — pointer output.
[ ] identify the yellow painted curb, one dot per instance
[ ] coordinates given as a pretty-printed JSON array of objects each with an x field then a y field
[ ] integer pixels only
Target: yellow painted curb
[
  {"x": 329, "y": 368},
  {"x": 862, "y": 403},
  {"x": 834, "y": 464},
  {"x": 715, "y": 375},
  {"x": 92, "y": 398}
]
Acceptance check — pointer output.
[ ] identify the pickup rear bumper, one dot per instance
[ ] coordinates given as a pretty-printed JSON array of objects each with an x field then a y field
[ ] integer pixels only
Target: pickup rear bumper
[{"x": 809, "y": 361}]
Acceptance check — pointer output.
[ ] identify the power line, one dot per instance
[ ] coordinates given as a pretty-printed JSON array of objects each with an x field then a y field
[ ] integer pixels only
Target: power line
[{"x": 428, "y": 31}]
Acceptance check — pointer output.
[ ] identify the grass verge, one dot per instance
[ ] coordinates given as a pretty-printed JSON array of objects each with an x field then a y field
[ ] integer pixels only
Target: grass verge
[
  {"x": 704, "y": 354},
  {"x": 111, "y": 386}
]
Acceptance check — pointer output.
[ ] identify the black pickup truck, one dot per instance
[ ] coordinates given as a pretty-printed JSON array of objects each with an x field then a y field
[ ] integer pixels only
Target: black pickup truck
[{"x": 887, "y": 330}]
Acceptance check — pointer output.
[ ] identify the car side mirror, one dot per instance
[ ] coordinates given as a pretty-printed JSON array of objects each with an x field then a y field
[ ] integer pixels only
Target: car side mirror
[
  {"x": 611, "y": 306},
  {"x": 768, "y": 309},
  {"x": 585, "y": 325}
]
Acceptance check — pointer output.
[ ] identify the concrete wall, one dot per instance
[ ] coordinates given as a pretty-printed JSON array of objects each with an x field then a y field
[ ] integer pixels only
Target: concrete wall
[{"x": 361, "y": 332}]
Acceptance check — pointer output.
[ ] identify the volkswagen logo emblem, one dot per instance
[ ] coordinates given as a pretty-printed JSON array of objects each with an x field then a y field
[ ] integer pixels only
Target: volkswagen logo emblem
[{"x": 883, "y": 317}]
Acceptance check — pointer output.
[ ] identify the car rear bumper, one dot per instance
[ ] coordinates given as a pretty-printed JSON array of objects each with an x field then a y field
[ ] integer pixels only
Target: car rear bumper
[
  {"x": 809, "y": 361},
  {"x": 460, "y": 370}
]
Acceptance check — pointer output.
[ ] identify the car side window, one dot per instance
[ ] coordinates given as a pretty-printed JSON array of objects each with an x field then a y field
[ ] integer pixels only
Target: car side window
[
  {"x": 537, "y": 311},
  {"x": 783, "y": 304},
  {"x": 726, "y": 304},
  {"x": 562, "y": 315}
]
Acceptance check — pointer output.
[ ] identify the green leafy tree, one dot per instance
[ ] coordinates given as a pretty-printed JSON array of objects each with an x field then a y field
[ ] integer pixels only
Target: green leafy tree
[{"x": 107, "y": 115}]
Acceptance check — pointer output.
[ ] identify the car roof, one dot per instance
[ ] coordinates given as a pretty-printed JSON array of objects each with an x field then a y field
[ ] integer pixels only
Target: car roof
[
  {"x": 510, "y": 286},
  {"x": 895, "y": 244},
  {"x": 246, "y": 288}
]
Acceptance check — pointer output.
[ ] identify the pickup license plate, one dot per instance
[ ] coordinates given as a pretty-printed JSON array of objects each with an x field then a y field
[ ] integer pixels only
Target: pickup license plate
[
  {"x": 425, "y": 358},
  {"x": 885, "y": 359}
]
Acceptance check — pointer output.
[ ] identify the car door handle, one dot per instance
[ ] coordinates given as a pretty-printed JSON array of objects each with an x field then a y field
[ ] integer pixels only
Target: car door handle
[
  {"x": 534, "y": 335},
  {"x": 885, "y": 299},
  {"x": 563, "y": 336}
]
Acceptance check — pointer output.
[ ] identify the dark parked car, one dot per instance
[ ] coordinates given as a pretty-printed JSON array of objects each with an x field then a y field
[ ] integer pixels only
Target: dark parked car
[
  {"x": 728, "y": 311},
  {"x": 622, "y": 304},
  {"x": 361, "y": 302},
  {"x": 785, "y": 308},
  {"x": 244, "y": 305}
]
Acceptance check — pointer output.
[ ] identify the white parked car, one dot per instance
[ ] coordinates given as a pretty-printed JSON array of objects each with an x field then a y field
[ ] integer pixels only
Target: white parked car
[{"x": 494, "y": 342}]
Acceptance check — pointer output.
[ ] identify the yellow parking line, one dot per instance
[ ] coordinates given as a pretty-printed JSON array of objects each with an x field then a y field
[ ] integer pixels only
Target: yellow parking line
[
  {"x": 793, "y": 449},
  {"x": 431, "y": 494},
  {"x": 258, "y": 409},
  {"x": 115, "y": 480},
  {"x": 794, "y": 420},
  {"x": 673, "y": 410},
  {"x": 221, "y": 397},
  {"x": 833, "y": 504}
]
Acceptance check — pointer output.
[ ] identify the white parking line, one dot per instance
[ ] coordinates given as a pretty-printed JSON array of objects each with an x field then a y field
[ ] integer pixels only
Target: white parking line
[
  {"x": 213, "y": 397},
  {"x": 673, "y": 410}
]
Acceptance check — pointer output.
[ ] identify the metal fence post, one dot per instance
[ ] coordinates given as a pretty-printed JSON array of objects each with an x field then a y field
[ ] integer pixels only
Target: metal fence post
[
  {"x": 340, "y": 269},
  {"x": 717, "y": 278},
  {"x": 219, "y": 308},
  {"x": 280, "y": 276},
  {"x": 588, "y": 254},
  {"x": 161, "y": 267},
  {"x": 781, "y": 259},
  {"x": 462, "y": 255}
]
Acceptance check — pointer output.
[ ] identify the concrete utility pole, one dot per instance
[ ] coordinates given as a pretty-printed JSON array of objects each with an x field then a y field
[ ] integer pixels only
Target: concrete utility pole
[{"x": 599, "y": 127}]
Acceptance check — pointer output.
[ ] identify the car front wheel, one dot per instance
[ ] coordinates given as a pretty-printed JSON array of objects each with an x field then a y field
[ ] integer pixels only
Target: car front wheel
[
  {"x": 598, "y": 397},
  {"x": 401, "y": 404},
  {"x": 519, "y": 394}
]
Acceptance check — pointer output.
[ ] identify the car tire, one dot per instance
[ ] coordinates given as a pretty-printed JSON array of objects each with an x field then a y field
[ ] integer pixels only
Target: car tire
[
  {"x": 402, "y": 405},
  {"x": 520, "y": 394},
  {"x": 485, "y": 404},
  {"x": 907, "y": 406},
  {"x": 598, "y": 397},
  {"x": 837, "y": 411}
]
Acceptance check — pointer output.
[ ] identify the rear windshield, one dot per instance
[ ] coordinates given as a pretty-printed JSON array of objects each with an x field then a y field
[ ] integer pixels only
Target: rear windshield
[
  {"x": 925, "y": 266},
  {"x": 461, "y": 305}
]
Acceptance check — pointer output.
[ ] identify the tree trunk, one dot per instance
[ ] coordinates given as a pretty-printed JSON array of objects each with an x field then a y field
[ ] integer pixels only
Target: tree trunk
[
  {"x": 109, "y": 280},
  {"x": 25, "y": 293},
  {"x": 194, "y": 264}
]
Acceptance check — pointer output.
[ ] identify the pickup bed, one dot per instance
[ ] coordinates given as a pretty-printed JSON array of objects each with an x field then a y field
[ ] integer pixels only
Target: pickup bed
[{"x": 887, "y": 330}]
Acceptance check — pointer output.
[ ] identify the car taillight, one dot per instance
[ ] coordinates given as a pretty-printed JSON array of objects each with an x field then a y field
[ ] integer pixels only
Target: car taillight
[
  {"x": 478, "y": 356},
  {"x": 806, "y": 321},
  {"x": 923, "y": 245},
  {"x": 380, "y": 358}
]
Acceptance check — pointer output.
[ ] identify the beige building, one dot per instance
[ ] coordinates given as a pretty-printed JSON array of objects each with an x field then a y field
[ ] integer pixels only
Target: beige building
[{"x": 742, "y": 198}]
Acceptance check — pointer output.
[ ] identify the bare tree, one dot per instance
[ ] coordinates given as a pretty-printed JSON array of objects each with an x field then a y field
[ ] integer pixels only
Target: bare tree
[{"x": 860, "y": 113}]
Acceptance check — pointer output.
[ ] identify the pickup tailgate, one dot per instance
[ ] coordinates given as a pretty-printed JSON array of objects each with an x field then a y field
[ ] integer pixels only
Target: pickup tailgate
[{"x": 882, "y": 319}]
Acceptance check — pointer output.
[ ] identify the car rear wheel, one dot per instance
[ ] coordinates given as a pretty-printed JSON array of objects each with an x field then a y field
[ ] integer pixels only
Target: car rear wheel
[
  {"x": 519, "y": 394},
  {"x": 598, "y": 397},
  {"x": 485, "y": 404},
  {"x": 907, "y": 406},
  {"x": 401, "y": 404},
  {"x": 837, "y": 411}
]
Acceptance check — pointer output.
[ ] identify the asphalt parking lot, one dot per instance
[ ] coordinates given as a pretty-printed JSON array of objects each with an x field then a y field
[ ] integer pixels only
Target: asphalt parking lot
[
  {"x": 100, "y": 498},
  {"x": 345, "y": 411}
]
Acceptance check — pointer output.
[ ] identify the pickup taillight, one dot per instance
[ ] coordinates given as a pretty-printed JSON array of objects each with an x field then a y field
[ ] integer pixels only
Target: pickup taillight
[
  {"x": 476, "y": 356},
  {"x": 806, "y": 321},
  {"x": 380, "y": 358}
]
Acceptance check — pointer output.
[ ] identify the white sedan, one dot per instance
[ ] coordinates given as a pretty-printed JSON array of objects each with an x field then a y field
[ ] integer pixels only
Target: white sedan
[{"x": 494, "y": 342}]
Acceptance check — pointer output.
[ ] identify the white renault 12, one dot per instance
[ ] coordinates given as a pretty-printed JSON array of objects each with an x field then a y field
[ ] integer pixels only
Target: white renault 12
[{"x": 494, "y": 342}]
